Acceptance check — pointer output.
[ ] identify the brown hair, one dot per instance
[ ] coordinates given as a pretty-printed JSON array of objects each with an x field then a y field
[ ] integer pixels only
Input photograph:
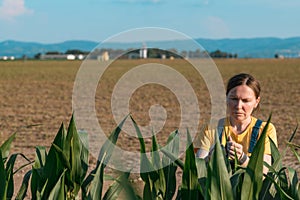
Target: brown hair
[{"x": 244, "y": 79}]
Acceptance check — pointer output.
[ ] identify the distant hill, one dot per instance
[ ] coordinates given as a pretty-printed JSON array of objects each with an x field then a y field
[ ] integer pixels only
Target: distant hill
[
  {"x": 18, "y": 49},
  {"x": 250, "y": 48},
  {"x": 255, "y": 47}
]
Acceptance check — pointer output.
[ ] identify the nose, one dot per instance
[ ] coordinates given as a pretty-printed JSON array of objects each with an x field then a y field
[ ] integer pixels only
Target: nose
[{"x": 239, "y": 103}]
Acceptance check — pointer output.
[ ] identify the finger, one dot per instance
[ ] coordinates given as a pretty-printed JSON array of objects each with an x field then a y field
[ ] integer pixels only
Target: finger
[{"x": 229, "y": 138}]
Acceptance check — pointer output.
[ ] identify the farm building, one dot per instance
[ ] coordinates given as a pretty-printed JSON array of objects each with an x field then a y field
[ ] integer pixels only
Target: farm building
[{"x": 61, "y": 57}]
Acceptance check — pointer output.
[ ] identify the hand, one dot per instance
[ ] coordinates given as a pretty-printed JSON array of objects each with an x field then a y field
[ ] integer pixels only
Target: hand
[{"x": 234, "y": 148}]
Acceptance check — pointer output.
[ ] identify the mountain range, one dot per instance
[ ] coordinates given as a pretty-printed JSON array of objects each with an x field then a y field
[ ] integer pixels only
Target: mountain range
[{"x": 245, "y": 48}]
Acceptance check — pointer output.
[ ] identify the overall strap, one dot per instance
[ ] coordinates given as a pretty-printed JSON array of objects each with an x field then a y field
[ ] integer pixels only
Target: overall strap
[
  {"x": 220, "y": 129},
  {"x": 254, "y": 135}
]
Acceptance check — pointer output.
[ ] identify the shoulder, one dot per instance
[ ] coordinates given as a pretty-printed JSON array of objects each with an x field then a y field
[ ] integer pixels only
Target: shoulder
[
  {"x": 222, "y": 122},
  {"x": 270, "y": 129},
  {"x": 270, "y": 125},
  {"x": 215, "y": 124},
  {"x": 271, "y": 132}
]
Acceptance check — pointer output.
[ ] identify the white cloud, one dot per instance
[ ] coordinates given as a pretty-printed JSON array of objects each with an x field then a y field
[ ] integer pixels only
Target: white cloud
[{"x": 13, "y": 8}]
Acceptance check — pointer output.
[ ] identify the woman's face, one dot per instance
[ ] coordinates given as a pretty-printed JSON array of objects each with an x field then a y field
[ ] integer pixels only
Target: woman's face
[{"x": 241, "y": 101}]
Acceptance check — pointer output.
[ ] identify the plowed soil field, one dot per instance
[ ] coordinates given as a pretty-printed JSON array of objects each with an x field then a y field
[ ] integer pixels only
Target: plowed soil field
[{"x": 40, "y": 93}]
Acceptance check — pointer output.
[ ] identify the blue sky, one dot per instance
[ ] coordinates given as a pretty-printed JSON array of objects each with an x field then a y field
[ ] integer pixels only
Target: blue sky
[{"x": 96, "y": 20}]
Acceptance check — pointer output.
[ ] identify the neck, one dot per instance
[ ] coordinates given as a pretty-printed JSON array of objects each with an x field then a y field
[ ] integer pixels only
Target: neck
[{"x": 240, "y": 126}]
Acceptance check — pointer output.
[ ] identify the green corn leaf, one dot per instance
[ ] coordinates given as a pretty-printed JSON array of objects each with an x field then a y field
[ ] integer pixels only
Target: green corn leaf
[
  {"x": 62, "y": 157},
  {"x": 201, "y": 168},
  {"x": 190, "y": 185},
  {"x": 283, "y": 194},
  {"x": 276, "y": 171},
  {"x": 3, "y": 182},
  {"x": 148, "y": 173},
  {"x": 145, "y": 165},
  {"x": 84, "y": 154},
  {"x": 276, "y": 156},
  {"x": 283, "y": 179},
  {"x": 114, "y": 190},
  {"x": 253, "y": 178},
  {"x": 40, "y": 157},
  {"x": 10, "y": 165},
  {"x": 74, "y": 152},
  {"x": 160, "y": 183},
  {"x": 53, "y": 167},
  {"x": 58, "y": 192},
  {"x": 109, "y": 145},
  {"x": 93, "y": 184},
  {"x": 173, "y": 142},
  {"x": 170, "y": 167},
  {"x": 73, "y": 155},
  {"x": 60, "y": 138},
  {"x": 218, "y": 178},
  {"x": 9, "y": 175},
  {"x": 237, "y": 181},
  {"x": 202, "y": 175},
  {"x": 24, "y": 165},
  {"x": 140, "y": 136},
  {"x": 292, "y": 147},
  {"x": 120, "y": 184},
  {"x": 36, "y": 177},
  {"x": 267, "y": 188},
  {"x": 5, "y": 147},
  {"x": 155, "y": 158},
  {"x": 25, "y": 183},
  {"x": 177, "y": 161},
  {"x": 294, "y": 182},
  {"x": 293, "y": 134},
  {"x": 41, "y": 193}
]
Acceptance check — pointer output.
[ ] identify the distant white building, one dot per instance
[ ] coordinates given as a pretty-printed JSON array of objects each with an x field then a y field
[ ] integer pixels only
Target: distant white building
[
  {"x": 71, "y": 57},
  {"x": 143, "y": 52},
  {"x": 104, "y": 56},
  {"x": 80, "y": 57},
  {"x": 61, "y": 57},
  {"x": 7, "y": 58}
]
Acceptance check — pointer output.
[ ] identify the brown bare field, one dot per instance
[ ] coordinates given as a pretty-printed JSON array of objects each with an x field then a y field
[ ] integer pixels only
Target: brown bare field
[{"x": 40, "y": 93}]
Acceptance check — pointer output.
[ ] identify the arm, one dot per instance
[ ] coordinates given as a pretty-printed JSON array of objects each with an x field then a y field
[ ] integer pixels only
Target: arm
[
  {"x": 244, "y": 159},
  {"x": 201, "y": 153},
  {"x": 267, "y": 159}
]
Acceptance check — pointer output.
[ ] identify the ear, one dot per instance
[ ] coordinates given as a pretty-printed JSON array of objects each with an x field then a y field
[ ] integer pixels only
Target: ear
[{"x": 257, "y": 102}]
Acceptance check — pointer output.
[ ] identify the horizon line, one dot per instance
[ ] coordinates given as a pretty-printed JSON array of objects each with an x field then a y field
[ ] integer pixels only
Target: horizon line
[{"x": 201, "y": 38}]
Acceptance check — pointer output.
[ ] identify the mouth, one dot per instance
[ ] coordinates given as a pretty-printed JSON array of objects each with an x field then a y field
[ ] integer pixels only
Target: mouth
[{"x": 238, "y": 113}]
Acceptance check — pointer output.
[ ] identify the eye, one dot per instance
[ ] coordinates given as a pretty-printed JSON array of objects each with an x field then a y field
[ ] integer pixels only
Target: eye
[
  {"x": 233, "y": 98},
  {"x": 246, "y": 100}
]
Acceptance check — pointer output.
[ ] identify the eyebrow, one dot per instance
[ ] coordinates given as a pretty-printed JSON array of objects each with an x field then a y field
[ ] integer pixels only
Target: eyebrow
[{"x": 235, "y": 96}]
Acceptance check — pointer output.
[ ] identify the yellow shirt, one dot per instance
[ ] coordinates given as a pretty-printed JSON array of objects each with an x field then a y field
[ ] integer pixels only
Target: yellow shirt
[{"x": 206, "y": 140}]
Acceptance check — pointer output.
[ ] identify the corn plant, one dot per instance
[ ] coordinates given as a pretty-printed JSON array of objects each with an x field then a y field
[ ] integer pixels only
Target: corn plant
[
  {"x": 281, "y": 182},
  {"x": 216, "y": 179},
  {"x": 7, "y": 163},
  {"x": 92, "y": 186},
  {"x": 159, "y": 174},
  {"x": 62, "y": 172}
]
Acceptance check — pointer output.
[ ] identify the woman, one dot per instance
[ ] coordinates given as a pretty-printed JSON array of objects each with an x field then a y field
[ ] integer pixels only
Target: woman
[{"x": 239, "y": 130}]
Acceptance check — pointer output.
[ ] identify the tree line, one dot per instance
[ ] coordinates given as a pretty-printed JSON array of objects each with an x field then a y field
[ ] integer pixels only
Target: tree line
[{"x": 151, "y": 53}]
